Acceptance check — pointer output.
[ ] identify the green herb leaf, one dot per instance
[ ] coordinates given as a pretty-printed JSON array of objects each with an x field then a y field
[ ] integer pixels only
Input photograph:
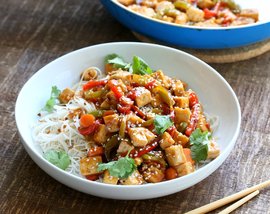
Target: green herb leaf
[
  {"x": 55, "y": 92},
  {"x": 117, "y": 61},
  {"x": 162, "y": 123},
  {"x": 59, "y": 159},
  {"x": 199, "y": 144},
  {"x": 139, "y": 66},
  {"x": 122, "y": 168}
]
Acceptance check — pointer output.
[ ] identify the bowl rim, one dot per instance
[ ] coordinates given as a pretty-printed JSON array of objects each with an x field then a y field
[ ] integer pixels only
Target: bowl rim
[
  {"x": 37, "y": 154},
  {"x": 117, "y": 4}
]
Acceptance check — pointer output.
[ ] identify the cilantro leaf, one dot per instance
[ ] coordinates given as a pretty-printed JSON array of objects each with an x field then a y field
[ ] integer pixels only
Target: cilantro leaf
[
  {"x": 117, "y": 61},
  {"x": 140, "y": 67},
  {"x": 162, "y": 123},
  {"x": 199, "y": 144},
  {"x": 59, "y": 159},
  {"x": 55, "y": 92},
  {"x": 122, "y": 168}
]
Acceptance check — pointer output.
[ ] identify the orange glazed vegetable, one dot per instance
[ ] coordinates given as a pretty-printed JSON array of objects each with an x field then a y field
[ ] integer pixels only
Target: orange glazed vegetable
[
  {"x": 187, "y": 153},
  {"x": 87, "y": 120},
  {"x": 170, "y": 173}
]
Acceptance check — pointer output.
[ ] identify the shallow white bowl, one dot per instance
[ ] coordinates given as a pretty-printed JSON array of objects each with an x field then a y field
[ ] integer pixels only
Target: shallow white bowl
[{"x": 214, "y": 92}]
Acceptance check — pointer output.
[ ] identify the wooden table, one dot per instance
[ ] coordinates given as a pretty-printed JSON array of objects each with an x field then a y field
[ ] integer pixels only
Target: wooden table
[{"x": 33, "y": 33}]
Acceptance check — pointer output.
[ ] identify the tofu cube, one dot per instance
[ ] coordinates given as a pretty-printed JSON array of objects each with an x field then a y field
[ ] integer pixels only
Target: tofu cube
[
  {"x": 112, "y": 122},
  {"x": 195, "y": 14},
  {"x": 250, "y": 13},
  {"x": 182, "y": 102},
  {"x": 66, "y": 95},
  {"x": 140, "y": 136},
  {"x": 179, "y": 138},
  {"x": 166, "y": 141},
  {"x": 213, "y": 150},
  {"x": 153, "y": 175},
  {"x": 143, "y": 96},
  {"x": 178, "y": 88},
  {"x": 89, "y": 165},
  {"x": 109, "y": 179},
  {"x": 182, "y": 114},
  {"x": 184, "y": 169},
  {"x": 134, "y": 179},
  {"x": 100, "y": 135},
  {"x": 175, "y": 155},
  {"x": 124, "y": 147},
  {"x": 126, "y": 2}
]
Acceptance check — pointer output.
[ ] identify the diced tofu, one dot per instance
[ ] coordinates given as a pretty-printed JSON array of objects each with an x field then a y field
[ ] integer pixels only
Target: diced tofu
[
  {"x": 205, "y": 4},
  {"x": 182, "y": 102},
  {"x": 89, "y": 74},
  {"x": 178, "y": 88},
  {"x": 146, "y": 11},
  {"x": 89, "y": 165},
  {"x": 195, "y": 14},
  {"x": 163, "y": 79},
  {"x": 175, "y": 155},
  {"x": 111, "y": 98},
  {"x": 166, "y": 141},
  {"x": 66, "y": 95},
  {"x": 182, "y": 114},
  {"x": 184, "y": 169},
  {"x": 213, "y": 150},
  {"x": 250, "y": 13},
  {"x": 125, "y": 76},
  {"x": 164, "y": 6},
  {"x": 105, "y": 104},
  {"x": 134, "y": 179},
  {"x": 124, "y": 147},
  {"x": 134, "y": 119},
  {"x": 179, "y": 138},
  {"x": 156, "y": 100},
  {"x": 109, "y": 179},
  {"x": 202, "y": 123},
  {"x": 181, "y": 19},
  {"x": 242, "y": 21},
  {"x": 138, "y": 161},
  {"x": 153, "y": 174},
  {"x": 126, "y": 2},
  {"x": 143, "y": 96},
  {"x": 112, "y": 122},
  {"x": 140, "y": 136},
  {"x": 100, "y": 135}
]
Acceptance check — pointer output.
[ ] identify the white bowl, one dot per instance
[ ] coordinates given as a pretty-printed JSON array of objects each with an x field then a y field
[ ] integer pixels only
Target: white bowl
[{"x": 214, "y": 92}]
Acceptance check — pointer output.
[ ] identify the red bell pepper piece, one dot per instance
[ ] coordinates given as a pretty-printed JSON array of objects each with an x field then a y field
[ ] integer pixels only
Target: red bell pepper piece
[
  {"x": 88, "y": 130},
  {"x": 149, "y": 147},
  {"x": 124, "y": 109},
  {"x": 118, "y": 93},
  {"x": 94, "y": 83},
  {"x": 91, "y": 177},
  {"x": 193, "y": 119},
  {"x": 138, "y": 112},
  {"x": 193, "y": 99},
  {"x": 150, "y": 85},
  {"x": 208, "y": 14}
]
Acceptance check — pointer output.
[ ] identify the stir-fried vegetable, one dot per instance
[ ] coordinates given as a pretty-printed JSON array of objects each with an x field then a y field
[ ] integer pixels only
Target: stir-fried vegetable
[
  {"x": 204, "y": 13},
  {"x": 135, "y": 126}
]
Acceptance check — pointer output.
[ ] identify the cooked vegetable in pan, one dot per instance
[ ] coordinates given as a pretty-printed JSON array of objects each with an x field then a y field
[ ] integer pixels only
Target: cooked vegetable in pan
[
  {"x": 128, "y": 125},
  {"x": 204, "y": 13}
]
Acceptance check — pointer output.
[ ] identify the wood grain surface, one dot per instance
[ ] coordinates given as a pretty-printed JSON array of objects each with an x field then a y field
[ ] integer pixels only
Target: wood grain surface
[{"x": 33, "y": 33}]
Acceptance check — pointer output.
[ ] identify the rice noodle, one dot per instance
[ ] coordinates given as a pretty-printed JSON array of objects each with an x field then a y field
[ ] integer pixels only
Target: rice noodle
[{"x": 55, "y": 131}]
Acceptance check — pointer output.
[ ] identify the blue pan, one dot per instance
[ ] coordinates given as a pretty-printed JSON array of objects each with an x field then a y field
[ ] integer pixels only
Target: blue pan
[{"x": 196, "y": 37}]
